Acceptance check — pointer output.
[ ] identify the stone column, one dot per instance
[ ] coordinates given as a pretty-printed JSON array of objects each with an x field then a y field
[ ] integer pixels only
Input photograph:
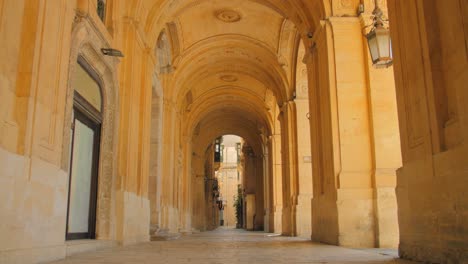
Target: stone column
[
  {"x": 198, "y": 189},
  {"x": 250, "y": 211},
  {"x": 250, "y": 186},
  {"x": 134, "y": 118},
  {"x": 304, "y": 164},
  {"x": 356, "y": 221},
  {"x": 268, "y": 186},
  {"x": 277, "y": 183},
  {"x": 320, "y": 76},
  {"x": 341, "y": 123},
  {"x": 212, "y": 212},
  {"x": 259, "y": 193},
  {"x": 155, "y": 172},
  {"x": 386, "y": 149},
  {"x": 289, "y": 157},
  {"x": 186, "y": 187},
  {"x": 168, "y": 216}
]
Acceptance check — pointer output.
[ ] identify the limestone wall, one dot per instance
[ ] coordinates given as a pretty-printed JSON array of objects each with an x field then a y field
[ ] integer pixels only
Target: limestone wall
[
  {"x": 42, "y": 41},
  {"x": 304, "y": 158},
  {"x": 34, "y": 186},
  {"x": 431, "y": 70}
]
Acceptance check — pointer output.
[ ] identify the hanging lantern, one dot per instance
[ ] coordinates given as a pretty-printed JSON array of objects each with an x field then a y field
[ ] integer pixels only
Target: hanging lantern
[{"x": 380, "y": 43}]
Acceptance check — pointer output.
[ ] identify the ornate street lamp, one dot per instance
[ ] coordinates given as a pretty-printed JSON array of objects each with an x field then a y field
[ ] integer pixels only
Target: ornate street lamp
[{"x": 380, "y": 43}]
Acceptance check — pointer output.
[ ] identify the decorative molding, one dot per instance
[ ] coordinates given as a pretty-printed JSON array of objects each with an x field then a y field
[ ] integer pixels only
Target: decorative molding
[
  {"x": 228, "y": 15},
  {"x": 228, "y": 78}
]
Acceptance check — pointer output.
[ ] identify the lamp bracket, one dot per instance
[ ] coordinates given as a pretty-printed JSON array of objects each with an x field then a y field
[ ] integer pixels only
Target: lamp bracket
[{"x": 112, "y": 52}]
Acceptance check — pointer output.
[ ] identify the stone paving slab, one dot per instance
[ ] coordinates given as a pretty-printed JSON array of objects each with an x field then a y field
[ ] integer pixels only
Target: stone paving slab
[{"x": 230, "y": 246}]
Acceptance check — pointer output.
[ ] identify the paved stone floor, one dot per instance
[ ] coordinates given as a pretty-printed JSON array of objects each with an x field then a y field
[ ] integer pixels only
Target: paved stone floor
[{"x": 235, "y": 246}]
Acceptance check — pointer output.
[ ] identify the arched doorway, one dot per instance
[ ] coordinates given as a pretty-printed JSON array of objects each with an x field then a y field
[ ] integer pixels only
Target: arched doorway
[{"x": 84, "y": 154}]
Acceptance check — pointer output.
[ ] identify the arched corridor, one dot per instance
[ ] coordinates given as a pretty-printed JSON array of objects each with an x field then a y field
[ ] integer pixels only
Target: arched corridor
[{"x": 339, "y": 122}]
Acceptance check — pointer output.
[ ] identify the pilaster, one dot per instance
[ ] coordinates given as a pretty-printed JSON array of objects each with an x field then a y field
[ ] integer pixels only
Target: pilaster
[
  {"x": 345, "y": 197},
  {"x": 169, "y": 217},
  {"x": 356, "y": 219},
  {"x": 304, "y": 170},
  {"x": 290, "y": 176},
  {"x": 277, "y": 183},
  {"x": 386, "y": 148}
]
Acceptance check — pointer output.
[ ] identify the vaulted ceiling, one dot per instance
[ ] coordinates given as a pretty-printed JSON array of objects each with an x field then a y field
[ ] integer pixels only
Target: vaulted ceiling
[{"x": 233, "y": 58}]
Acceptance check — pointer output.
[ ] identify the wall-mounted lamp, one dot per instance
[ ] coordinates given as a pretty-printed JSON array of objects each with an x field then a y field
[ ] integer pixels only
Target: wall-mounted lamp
[
  {"x": 380, "y": 43},
  {"x": 112, "y": 52}
]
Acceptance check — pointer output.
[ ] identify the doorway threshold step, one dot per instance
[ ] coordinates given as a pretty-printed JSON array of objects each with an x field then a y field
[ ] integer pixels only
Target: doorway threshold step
[{"x": 88, "y": 245}]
